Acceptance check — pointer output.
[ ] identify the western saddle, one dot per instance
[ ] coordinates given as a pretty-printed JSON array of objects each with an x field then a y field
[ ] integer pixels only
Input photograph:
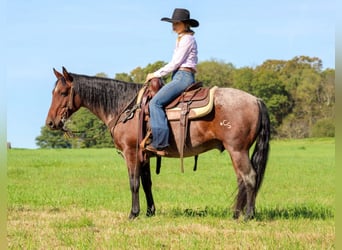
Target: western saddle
[{"x": 196, "y": 101}]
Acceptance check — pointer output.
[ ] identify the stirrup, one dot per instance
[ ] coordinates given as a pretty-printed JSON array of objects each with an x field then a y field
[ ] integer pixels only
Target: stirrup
[
  {"x": 147, "y": 140},
  {"x": 153, "y": 150}
]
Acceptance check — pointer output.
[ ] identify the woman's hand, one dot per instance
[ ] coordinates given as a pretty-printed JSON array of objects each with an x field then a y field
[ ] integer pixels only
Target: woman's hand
[{"x": 149, "y": 77}]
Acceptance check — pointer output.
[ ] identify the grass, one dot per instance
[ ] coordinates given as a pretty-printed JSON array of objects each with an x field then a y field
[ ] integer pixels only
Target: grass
[{"x": 80, "y": 199}]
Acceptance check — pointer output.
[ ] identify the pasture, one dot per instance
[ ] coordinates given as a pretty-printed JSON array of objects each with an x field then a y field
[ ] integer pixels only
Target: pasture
[{"x": 80, "y": 199}]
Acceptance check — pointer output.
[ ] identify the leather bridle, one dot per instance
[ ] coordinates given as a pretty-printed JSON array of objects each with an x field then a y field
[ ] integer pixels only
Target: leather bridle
[{"x": 68, "y": 107}]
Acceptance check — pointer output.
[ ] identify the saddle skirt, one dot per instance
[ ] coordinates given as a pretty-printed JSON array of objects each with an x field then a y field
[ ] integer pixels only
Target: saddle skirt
[{"x": 199, "y": 101}]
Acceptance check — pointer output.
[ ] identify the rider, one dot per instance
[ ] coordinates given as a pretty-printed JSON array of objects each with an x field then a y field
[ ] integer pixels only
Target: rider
[{"x": 183, "y": 69}]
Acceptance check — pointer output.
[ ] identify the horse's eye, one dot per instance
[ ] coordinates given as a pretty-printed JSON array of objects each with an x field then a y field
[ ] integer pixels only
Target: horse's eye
[{"x": 64, "y": 94}]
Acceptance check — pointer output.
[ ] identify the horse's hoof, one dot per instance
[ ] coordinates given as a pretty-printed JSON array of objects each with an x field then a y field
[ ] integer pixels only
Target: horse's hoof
[
  {"x": 150, "y": 212},
  {"x": 249, "y": 214},
  {"x": 249, "y": 217},
  {"x": 132, "y": 216},
  {"x": 236, "y": 215}
]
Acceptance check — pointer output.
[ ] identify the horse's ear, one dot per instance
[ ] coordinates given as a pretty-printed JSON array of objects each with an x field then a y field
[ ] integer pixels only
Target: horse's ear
[
  {"x": 57, "y": 74},
  {"x": 67, "y": 76}
]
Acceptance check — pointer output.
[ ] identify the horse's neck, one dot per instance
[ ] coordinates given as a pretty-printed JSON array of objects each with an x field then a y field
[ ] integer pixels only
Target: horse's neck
[
  {"x": 105, "y": 117},
  {"x": 105, "y": 98}
]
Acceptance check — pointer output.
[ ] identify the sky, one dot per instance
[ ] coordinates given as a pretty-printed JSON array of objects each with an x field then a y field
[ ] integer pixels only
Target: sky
[{"x": 107, "y": 36}]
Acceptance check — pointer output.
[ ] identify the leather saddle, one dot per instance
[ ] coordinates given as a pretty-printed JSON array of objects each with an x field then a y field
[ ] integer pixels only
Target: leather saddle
[{"x": 196, "y": 101}]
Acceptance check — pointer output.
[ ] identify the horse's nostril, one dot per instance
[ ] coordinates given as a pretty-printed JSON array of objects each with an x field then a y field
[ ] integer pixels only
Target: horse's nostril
[{"x": 50, "y": 124}]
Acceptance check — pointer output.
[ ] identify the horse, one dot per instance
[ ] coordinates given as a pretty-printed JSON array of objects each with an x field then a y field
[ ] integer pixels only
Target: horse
[{"x": 237, "y": 121}]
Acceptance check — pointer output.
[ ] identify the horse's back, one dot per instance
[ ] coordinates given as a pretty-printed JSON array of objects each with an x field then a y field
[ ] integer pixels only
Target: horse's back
[
  {"x": 236, "y": 99},
  {"x": 236, "y": 104}
]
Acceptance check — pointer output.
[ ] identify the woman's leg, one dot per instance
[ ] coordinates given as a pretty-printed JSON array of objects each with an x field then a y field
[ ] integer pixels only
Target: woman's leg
[{"x": 159, "y": 124}]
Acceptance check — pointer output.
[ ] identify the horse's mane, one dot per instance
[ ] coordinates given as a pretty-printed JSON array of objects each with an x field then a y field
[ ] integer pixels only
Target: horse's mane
[{"x": 110, "y": 94}]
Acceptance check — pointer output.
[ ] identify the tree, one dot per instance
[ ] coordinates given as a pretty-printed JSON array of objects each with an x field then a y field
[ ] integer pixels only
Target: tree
[
  {"x": 215, "y": 72},
  {"x": 52, "y": 139},
  {"x": 243, "y": 78},
  {"x": 139, "y": 74},
  {"x": 85, "y": 129},
  {"x": 267, "y": 86},
  {"x": 123, "y": 77},
  {"x": 89, "y": 131}
]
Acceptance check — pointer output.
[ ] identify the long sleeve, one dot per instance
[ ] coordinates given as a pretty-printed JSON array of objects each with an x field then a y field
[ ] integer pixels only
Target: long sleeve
[{"x": 185, "y": 55}]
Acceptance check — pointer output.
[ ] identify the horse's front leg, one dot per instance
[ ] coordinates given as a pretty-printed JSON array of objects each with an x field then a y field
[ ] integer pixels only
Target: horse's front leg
[
  {"x": 146, "y": 181},
  {"x": 134, "y": 181}
]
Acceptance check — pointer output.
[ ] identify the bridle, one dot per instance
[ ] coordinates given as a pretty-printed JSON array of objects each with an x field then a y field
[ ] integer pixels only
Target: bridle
[{"x": 67, "y": 108}]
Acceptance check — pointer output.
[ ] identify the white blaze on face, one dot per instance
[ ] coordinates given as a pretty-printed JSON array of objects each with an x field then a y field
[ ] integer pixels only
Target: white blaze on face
[{"x": 56, "y": 88}]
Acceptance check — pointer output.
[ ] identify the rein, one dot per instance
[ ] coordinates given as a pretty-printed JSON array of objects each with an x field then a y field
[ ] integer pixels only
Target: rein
[
  {"x": 129, "y": 113},
  {"x": 68, "y": 133}
]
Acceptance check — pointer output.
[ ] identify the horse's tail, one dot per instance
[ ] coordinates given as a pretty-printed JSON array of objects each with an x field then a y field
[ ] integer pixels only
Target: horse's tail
[{"x": 261, "y": 149}]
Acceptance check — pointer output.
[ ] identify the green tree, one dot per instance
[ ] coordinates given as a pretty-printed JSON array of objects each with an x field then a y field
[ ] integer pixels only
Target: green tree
[
  {"x": 89, "y": 131},
  {"x": 52, "y": 139},
  {"x": 267, "y": 86},
  {"x": 215, "y": 73},
  {"x": 323, "y": 128},
  {"x": 123, "y": 77},
  {"x": 243, "y": 78},
  {"x": 85, "y": 130},
  {"x": 139, "y": 74},
  {"x": 102, "y": 74}
]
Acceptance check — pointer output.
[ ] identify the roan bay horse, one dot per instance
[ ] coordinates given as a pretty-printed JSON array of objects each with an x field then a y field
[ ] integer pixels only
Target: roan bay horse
[{"x": 237, "y": 121}]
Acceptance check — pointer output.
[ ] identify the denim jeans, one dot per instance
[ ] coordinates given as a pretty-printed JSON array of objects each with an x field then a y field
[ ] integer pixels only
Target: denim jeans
[{"x": 159, "y": 123}]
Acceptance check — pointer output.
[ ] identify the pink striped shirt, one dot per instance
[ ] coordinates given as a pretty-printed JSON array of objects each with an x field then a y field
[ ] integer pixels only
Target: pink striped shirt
[{"x": 184, "y": 55}]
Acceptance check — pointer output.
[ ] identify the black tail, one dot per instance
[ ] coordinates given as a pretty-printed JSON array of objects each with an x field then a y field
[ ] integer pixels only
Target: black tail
[{"x": 261, "y": 149}]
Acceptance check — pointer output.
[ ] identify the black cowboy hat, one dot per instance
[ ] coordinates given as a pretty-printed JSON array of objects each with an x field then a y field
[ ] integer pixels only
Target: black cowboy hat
[{"x": 181, "y": 15}]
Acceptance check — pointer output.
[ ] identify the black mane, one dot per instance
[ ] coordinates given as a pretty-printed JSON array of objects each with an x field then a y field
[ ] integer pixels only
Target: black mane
[{"x": 109, "y": 94}]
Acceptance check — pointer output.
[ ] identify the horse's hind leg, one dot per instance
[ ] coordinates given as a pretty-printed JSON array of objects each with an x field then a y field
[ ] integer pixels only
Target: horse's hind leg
[
  {"x": 147, "y": 186},
  {"x": 246, "y": 183},
  {"x": 241, "y": 198}
]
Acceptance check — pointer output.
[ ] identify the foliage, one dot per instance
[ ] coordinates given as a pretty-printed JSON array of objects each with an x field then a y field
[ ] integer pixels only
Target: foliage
[
  {"x": 267, "y": 86},
  {"x": 90, "y": 132},
  {"x": 123, "y": 77},
  {"x": 138, "y": 75},
  {"x": 52, "y": 139},
  {"x": 214, "y": 72},
  {"x": 323, "y": 128},
  {"x": 297, "y": 92}
]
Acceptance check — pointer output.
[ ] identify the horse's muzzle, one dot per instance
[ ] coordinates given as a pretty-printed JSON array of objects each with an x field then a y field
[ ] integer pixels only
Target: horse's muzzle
[{"x": 54, "y": 125}]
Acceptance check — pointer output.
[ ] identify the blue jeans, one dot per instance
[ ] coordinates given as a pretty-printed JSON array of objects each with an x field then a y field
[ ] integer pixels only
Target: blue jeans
[{"x": 159, "y": 123}]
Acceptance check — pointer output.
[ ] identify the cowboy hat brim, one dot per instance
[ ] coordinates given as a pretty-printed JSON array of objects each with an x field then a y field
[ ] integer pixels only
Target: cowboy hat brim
[{"x": 193, "y": 22}]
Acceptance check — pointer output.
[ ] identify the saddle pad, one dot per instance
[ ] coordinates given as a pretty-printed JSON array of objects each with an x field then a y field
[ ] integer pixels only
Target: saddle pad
[{"x": 174, "y": 114}]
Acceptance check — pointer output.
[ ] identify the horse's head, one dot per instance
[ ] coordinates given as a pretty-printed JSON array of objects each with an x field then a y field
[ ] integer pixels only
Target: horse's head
[{"x": 64, "y": 101}]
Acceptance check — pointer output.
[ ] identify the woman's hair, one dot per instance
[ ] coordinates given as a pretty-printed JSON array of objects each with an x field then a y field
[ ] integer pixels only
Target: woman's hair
[{"x": 188, "y": 29}]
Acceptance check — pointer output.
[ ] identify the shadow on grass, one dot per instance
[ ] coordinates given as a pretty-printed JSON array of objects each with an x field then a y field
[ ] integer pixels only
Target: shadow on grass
[{"x": 262, "y": 214}]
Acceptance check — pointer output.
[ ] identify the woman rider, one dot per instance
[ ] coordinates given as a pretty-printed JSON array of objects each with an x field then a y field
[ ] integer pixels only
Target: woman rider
[{"x": 183, "y": 68}]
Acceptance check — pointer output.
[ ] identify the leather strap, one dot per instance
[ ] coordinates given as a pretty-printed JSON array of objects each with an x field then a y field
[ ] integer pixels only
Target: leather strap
[{"x": 191, "y": 70}]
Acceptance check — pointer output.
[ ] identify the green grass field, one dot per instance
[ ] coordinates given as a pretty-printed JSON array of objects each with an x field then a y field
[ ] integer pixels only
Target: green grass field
[{"x": 80, "y": 199}]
